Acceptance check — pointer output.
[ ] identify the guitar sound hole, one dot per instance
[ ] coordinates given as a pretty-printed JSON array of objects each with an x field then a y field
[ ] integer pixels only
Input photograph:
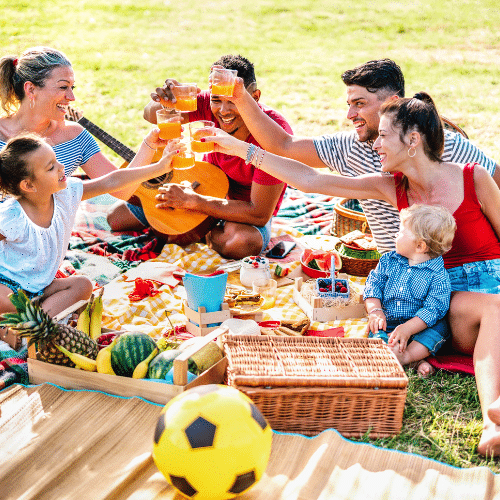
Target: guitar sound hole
[{"x": 156, "y": 182}]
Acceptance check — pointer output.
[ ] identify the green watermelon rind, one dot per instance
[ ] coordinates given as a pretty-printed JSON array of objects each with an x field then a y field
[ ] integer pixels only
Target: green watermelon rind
[
  {"x": 129, "y": 350},
  {"x": 162, "y": 363}
]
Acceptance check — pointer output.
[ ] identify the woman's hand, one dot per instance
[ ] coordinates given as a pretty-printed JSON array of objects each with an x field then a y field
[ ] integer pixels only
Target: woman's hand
[{"x": 227, "y": 144}]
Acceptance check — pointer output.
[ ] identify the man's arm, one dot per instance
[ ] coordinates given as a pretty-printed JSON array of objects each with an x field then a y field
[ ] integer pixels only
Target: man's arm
[{"x": 270, "y": 135}]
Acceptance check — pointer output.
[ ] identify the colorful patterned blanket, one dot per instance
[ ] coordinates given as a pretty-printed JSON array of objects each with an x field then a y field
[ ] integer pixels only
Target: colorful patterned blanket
[{"x": 112, "y": 259}]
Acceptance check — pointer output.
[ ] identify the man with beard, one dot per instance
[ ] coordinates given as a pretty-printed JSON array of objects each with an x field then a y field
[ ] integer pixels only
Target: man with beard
[
  {"x": 351, "y": 153},
  {"x": 254, "y": 196}
]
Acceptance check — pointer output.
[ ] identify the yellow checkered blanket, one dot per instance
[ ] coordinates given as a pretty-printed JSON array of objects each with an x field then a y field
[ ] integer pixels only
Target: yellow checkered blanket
[{"x": 150, "y": 314}]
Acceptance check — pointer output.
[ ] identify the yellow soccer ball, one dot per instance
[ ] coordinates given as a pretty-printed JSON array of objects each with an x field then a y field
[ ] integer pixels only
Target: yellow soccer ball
[{"x": 212, "y": 442}]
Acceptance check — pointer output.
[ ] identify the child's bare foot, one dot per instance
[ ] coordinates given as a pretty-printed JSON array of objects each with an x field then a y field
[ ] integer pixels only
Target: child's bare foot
[
  {"x": 425, "y": 369},
  {"x": 494, "y": 412},
  {"x": 490, "y": 441}
]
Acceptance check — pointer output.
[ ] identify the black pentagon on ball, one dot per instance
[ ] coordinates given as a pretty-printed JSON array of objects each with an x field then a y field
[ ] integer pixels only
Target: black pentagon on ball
[
  {"x": 242, "y": 482},
  {"x": 160, "y": 428},
  {"x": 258, "y": 417},
  {"x": 200, "y": 433},
  {"x": 183, "y": 485}
]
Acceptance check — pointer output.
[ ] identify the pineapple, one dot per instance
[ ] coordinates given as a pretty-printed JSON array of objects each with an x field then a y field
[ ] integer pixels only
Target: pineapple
[{"x": 32, "y": 322}]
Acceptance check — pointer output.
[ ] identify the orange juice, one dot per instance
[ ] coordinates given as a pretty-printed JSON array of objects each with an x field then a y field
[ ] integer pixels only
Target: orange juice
[
  {"x": 223, "y": 89},
  {"x": 182, "y": 161},
  {"x": 198, "y": 130},
  {"x": 202, "y": 147},
  {"x": 269, "y": 302},
  {"x": 170, "y": 130},
  {"x": 186, "y": 104}
]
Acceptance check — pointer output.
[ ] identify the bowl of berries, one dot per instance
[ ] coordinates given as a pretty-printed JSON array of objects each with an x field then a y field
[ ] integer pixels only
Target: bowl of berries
[{"x": 105, "y": 339}]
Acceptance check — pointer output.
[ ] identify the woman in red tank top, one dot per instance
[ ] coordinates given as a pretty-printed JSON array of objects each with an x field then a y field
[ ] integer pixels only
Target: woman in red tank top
[{"x": 410, "y": 145}]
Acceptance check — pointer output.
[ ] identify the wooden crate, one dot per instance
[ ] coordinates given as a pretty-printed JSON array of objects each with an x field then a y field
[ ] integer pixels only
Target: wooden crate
[
  {"x": 309, "y": 384},
  {"x": 157, "y": 392},
  {"x": 315, "y": 311},
  {"x": 199, "y": 320}
]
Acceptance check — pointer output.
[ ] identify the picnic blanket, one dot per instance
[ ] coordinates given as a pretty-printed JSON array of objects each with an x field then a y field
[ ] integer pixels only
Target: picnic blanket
[
  {"x": 115, "y": 259},
  {"x": 56, "y": 443}
]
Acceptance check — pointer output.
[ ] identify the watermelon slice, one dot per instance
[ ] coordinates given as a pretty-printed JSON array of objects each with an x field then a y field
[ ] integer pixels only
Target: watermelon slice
[{"x": 321, "y": 260}]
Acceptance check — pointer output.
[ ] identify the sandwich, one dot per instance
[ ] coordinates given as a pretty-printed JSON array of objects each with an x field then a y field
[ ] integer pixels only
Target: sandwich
[
  {"x": 358, "y": 240},
  {"x": 288, "y": 328},
  {"x": 242, "y": 298}
]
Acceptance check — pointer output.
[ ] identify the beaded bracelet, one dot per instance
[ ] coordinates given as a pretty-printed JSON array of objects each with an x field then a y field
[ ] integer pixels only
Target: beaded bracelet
[
  {"x": 250, "y": 153},
  {"x": 255, "y": 155},
  {"x": 261, "y": 159}
]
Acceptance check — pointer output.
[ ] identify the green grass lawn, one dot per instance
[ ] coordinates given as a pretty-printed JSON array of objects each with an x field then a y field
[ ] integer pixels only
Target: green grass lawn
[{"x": 122, "y": 50}]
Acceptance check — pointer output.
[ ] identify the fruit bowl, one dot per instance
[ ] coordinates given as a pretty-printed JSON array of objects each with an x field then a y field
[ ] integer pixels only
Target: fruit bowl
[
  {"x": 105, "y": 339},
  {"x": 320, "y": 259}
]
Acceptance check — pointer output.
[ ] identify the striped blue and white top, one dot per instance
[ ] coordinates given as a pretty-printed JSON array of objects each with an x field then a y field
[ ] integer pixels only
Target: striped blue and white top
[
  {"x": 75, "y": 152},
  {"x": 344, "y": 153}
]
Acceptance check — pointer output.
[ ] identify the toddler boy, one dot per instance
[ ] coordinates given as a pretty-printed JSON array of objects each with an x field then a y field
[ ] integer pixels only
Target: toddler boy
[{"x": 408, "y": 294}]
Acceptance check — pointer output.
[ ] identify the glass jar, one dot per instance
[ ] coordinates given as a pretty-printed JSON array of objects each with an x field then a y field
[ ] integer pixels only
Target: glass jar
[{"x": 254, "y": 268}]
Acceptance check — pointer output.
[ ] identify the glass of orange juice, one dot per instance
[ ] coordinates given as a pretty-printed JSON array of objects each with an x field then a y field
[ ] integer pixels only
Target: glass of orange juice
[
  {"x": 199, "y": 129},
  {"x": 183, "y": 160},
  {"x": 223, "y": 81},
  {"x": 185, "y": 96},
  {"x": 169, "y": 123}
]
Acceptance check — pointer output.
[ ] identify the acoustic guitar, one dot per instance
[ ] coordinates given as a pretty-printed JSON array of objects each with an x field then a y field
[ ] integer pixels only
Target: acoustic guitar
[{"x": 205, "y": 178}]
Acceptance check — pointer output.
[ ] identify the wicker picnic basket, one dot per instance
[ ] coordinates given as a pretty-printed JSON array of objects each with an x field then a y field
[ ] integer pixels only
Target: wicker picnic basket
[
  {"x": 348, "y": 217},
  {"x": 309, "y": 384},
  {"x": 357, "y": 266}
]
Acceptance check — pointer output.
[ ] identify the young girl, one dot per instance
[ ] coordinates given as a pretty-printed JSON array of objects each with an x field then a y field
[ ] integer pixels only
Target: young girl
[{"x": 37, "y": 218}]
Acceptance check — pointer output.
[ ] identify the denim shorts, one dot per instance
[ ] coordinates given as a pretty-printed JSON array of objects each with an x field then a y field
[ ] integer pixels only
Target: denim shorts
[
  {"x": 14, "y": 286},
  {"x": 432, "y": 337},
  {"x": 265, "y": 231},
  {"x": 482, "y": 276}
]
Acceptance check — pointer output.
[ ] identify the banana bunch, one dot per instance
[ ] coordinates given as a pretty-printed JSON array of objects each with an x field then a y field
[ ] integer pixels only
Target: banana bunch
[{"x": 90, "y": 319}]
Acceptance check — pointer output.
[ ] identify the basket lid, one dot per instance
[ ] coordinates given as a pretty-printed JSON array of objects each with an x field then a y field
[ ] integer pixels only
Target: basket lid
[{"x": 312, "y": 361}]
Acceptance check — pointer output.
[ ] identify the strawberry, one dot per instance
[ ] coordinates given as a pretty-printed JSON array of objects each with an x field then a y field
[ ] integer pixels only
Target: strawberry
[{"x": 343, "y": 290}]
